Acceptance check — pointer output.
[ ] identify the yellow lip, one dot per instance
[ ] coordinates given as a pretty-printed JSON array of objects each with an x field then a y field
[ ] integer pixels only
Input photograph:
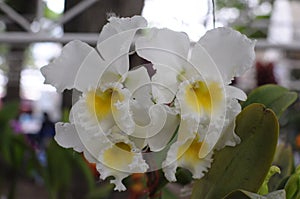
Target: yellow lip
[
  {"x": 119, "y": 156},
  {"x": 102, "y": 103},
  {"x": 203, "y": 97}
]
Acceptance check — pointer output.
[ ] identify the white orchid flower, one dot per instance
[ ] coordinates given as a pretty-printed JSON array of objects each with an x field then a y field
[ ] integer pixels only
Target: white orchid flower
[
  {"x": 198, "y": 78},
  {"x": 101, "y": 120},
  {"x": 120, "y": 111}
]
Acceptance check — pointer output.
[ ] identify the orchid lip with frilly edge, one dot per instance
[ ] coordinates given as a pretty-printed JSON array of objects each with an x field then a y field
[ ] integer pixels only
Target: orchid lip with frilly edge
[{"x": 120, "y": 112}]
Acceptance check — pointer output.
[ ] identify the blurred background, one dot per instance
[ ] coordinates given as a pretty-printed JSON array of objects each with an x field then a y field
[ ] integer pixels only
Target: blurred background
[{"x": 32, "y": 33}]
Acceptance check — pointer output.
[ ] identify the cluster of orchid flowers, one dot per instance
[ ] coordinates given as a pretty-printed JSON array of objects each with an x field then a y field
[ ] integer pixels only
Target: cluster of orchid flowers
[{"x": 123, "y": 119}]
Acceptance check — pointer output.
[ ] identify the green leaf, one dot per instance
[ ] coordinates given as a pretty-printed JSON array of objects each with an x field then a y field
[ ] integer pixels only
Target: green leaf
[
  {"x": 272, "y": 96},
  {"x": 242, "y": 194},
  {"x": 246, "y": 165},
  {"x": 292, "y": 186},
  {"x": 264, "y": 189},
  {"x": 284, "y": 159}
]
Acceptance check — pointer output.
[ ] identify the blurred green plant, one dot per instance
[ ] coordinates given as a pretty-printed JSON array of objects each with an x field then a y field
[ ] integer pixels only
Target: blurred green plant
[
  {"x": 14, "y": 151},
  {"x": 272, "y": 96},
  {"x": 65, "y": 174},
  {"x": 285, "y": 161}
]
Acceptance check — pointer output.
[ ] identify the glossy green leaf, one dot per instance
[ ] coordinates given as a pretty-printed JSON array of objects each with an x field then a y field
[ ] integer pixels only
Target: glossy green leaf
[
  {"x": 272, "y": 96},
  {"x": 242, "y": 194},
  {"x": 246, "y": 165}
]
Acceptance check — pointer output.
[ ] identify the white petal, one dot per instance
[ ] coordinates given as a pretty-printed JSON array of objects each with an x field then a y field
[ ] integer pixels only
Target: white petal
[
  {"x": 165, "y": 84},
  {"x": 158, "y": 117},
  {"x": 187, "y": 128},
  {"x": 160, "y": 140},
  {"x": 121, "y": 110},
  {"x": 67, "y": 137},
  {"x": 234, "y": 92},
  {"x": 61, "y": 73},
  {"x": 202, "y": 104},
  {"x": 82, "y": 116},
  {"x": 136, "y": 79},
  {"x": 140, "y": 103},
  {"x": 164, "y": 46},
  {"x": 185, "y": 154},
  {"x": 117, "y": 25},
  {"x": 232, "y": 52},
  {"x": 139, "y": 143},
  {"x": 228, "y": 137},
  {"x": 109, "y": 62},
  {"x": 115, "y": 41},
  {"x": 120, "y": 162},
  {"x": 203, "y": 65},
  {"x": 90, "y": 72}
]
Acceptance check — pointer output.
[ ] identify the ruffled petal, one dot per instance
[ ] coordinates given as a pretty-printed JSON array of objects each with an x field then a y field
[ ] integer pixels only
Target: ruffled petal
[
  {"x": 141, "y": 101},
  {"x": 121, "y": 110},
  {"x": 164, "y": 47},
  {"x": 228, "y": 136},
  {"x": 92, "y": 134},
  {"x": 109, "y": 62},
  {"x": 119, "y": 160},
  {"x": 201, "y": 99},
  {"x": 117, "y": 25},
  {"x": 107, "y": 107},
  {"x": 202, "y": 104},
  {"x": 67, "y": 137},
  {"x": 185, "y": 154},
  {"x": 115, "y": 41},
  {"x": 61, "y": 73},
  {"x": 232, "y": 52}
]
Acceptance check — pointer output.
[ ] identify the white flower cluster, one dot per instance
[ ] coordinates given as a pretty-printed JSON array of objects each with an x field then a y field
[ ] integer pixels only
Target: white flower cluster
[{"x": 123, "y": 117}]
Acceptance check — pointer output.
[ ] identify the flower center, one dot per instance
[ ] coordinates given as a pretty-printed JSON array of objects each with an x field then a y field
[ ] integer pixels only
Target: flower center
[
  {"x": 101, "y": 103},
  {"x": 203, "y": 97},
  {"x": 188, "y": 153},
  {"x": 119, "y": 156}
]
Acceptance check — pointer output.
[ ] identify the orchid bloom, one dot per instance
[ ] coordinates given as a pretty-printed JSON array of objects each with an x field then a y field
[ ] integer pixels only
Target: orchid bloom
[
  {"x": 101, "y": 121},
  {"x": 121, "y": 112},
  {"x": 196, "y": 78}
]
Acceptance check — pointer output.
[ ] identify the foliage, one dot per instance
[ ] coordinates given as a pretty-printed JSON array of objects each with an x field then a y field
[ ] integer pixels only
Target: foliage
[
  {"x": 246, "y": 165},
  {"x": 18, "y": 159},
  {"x": 272, "y": 96}
]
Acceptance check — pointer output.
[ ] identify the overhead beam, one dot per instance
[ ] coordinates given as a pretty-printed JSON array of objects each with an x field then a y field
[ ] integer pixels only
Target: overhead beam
[
  {"x": 74, "y": 11},
  {"x": 23, "y": 37},
  {"x": 265, "y": 44},
  {"x": 15, "y": 16},
  {"x": 91, "y": 38}
]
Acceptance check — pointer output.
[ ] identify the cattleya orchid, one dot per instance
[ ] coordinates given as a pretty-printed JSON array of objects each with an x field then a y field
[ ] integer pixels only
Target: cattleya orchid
[
  {"x": 123, "y": 115},
  {"x": 198, "y": 79}
]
